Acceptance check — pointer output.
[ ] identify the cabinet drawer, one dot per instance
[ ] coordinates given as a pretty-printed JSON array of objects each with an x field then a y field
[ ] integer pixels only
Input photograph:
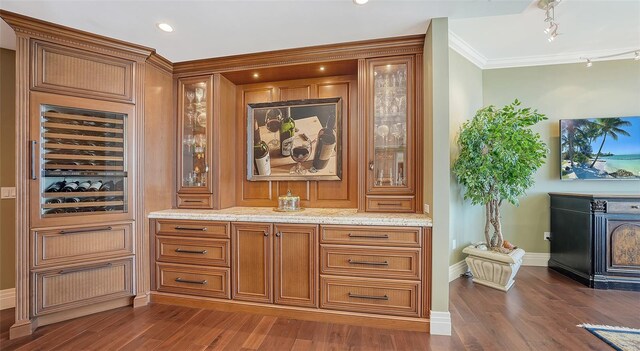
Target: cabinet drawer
[
  {"x": 366, "y": 261},
  {"x": 377, "y": 236},
  {"x": 64, "y": 288},
  {"x": 395, "y": 297},
  {"x": 193, "y": 228},
  {"x": 201, "y": 281},
  {"x": 623, "y": 207},
  {"x": 391, "y": 204},
  {"x": 192, "y": 251},
  {"x": 69, "y": 245},
  {"x": 195, "y": 200}
]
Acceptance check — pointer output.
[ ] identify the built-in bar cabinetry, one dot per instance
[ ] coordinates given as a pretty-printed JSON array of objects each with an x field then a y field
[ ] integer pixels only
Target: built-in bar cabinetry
[
  {"x": 81, "y": 245},
  {"x": 240, "y": 257}
]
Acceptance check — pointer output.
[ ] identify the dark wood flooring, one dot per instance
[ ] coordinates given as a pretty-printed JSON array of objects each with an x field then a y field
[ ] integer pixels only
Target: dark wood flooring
[{"x": 539, "y": 313}]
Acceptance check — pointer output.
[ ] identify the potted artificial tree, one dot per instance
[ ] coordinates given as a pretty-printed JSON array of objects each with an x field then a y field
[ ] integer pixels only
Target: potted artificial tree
[{"x": 499, "y": 155}]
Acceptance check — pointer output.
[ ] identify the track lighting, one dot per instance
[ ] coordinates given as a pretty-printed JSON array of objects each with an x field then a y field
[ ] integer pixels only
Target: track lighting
[
  {"x": 549, "y": 7},
  {"x": 636, "y": 56}
]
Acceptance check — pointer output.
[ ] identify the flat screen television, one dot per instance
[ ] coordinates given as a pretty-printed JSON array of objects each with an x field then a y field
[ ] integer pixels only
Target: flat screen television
[{"x": 600, "y": 148}]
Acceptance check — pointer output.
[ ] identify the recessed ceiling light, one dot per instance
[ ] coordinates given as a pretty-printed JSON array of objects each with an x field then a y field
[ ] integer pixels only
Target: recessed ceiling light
[
  {"x": 322, "y": 68},
  {"x": 165, "y": 27},
  {"x": 256, "y": 75},
  {"x": 360, "y": 2}
]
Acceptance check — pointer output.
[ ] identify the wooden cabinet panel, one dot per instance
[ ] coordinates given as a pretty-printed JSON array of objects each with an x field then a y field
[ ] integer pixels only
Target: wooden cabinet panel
[
  {"x": 65, "y": 288},
  {"x": 70, "y": 71},
  {"x": 295, "y": 264},
  {"x": 395, "y": 297},
  {"x": 193, "y": 280},
  {"x": 192, "y": 228},
  {"x": 295, "y": 92},
  {"x": 192, "y": 251},
  {"x": 252, "y": 250},
  {"x": 195, "y": 200},
  {"x": 73, "y": 244},
  {"x": 391, "y": 204},
  {"x": 367, "y": 261},
  {"x": 376, "y": 236}
]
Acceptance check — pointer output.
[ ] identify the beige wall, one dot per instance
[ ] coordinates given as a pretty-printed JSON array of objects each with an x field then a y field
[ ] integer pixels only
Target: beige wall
[
  {"x": 607, "y": 89},
  {"x": 465, "y": 98},
  {"x": 7, "y": 167},
  {"x": 436, "y": 134}
]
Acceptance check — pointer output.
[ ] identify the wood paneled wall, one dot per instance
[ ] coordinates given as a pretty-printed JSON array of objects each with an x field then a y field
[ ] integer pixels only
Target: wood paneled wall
[{"x": 340, "y": 194}]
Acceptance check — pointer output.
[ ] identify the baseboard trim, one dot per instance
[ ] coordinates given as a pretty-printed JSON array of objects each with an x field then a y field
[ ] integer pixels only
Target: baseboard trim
[
  {"x": 440, "y": 323},
  {"x": 536, "y": 259},
  {"x": 7, "y": 298},
  {"x": 533, "y": 259},
  {"x": 457, "y": 269}
]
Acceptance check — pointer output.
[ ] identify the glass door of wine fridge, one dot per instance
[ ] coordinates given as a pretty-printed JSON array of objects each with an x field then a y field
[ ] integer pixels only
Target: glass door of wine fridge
[
  {"x": 80, "y": 163},
  {"x": 195, "y": 111}
]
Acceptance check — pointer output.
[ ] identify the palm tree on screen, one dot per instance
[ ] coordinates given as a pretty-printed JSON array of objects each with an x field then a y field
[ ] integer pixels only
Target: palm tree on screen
[{"x": 610, "y": 127}]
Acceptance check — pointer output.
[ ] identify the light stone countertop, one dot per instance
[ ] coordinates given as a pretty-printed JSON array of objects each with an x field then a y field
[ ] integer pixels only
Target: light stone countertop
[{"x": 342, "y": 216}]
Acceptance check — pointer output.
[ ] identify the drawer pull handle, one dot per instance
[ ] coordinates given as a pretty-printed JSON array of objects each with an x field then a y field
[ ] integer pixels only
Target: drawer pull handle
[
  {"x": 199, "y": 201},
  {"x": 370, "y": 297},
  {"x": 383, "y": 263},
  {"x": 67, "y": 271},
  {"x": 635, "y": 207},
  {"x": 266, "y": 233},
  {"x": 202, "y": 229},
  {"x": 369, "y": 236},
  {"x": 200, "y": 282},
  {"x": 75, "y": 231},
  {"x": 201, "y": 252},
  {"x": 32, "y": 168},
  {"x": 389, "y": 204}
]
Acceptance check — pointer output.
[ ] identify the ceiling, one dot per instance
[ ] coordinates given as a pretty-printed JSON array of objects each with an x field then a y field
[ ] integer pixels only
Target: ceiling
[{"x": 490, "y": 33}]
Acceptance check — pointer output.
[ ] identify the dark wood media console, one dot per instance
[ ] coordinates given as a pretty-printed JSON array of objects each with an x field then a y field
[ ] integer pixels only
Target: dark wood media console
[{"x": 595, "y": 239}]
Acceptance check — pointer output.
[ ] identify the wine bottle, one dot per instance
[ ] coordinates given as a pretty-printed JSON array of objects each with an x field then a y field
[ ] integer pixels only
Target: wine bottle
[
  {"x": 57, "y": 200},
  {"x": 325, "y": 146},
  {"x": 95, "y": 186},
  {"x": 72, "y": 199},
  {"x": 260, "y": 153},
  {"x": 84, "y": 186},
  {"x": 71, "y": 186},
  {"x": 287, "y": 131},
  {"x": 107, "y": 186},
  {"x": 56, "y": 187},
  {"x": 120, "y": 185}
]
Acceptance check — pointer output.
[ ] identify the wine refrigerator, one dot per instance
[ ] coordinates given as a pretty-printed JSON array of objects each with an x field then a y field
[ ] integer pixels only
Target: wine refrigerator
[{"x": 80, "y": 163}]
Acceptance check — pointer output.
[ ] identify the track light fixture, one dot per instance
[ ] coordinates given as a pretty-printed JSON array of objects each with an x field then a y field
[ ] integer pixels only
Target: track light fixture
[
  {"x": 590, "y": 60},
  {"x": 549, "y": 7}
]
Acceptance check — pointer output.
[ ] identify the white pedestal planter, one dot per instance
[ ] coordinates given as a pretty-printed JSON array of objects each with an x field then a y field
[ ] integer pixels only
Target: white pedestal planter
[{"x": 493, "y": 269}]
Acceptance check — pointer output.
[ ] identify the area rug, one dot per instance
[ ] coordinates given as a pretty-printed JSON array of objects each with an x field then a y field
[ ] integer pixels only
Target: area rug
[{"x": 620, "y": 338}]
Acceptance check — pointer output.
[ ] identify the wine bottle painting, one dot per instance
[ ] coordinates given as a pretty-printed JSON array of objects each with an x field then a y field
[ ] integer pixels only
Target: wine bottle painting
[{"x": 294, "y": 140}]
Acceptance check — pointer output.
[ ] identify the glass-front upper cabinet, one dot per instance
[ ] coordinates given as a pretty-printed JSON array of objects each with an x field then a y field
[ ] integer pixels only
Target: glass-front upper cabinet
[
  {"x": 195, "y": 100},
  {"x": 80, "y": 161},
  {"x": 390, "y": 126}
]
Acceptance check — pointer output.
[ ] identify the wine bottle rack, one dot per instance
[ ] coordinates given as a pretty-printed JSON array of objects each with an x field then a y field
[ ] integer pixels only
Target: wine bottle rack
[{"x": 82, "y": 146}]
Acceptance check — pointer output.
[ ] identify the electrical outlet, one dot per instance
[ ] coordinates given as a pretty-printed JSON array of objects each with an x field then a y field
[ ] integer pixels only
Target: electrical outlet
[
  {"x": 453, "y": 243},
  {"x": 8, "y": 192},
  {"x": 547, "y": 236},
  {"x": 426, "y": 208}
]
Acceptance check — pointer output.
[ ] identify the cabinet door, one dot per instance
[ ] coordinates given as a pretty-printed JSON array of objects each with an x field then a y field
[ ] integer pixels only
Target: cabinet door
[
  {"x": 295, "y": 263},
  {"x": 252, "y": 247},
  {"x": 195, "y": 118},
  {"x": 390, "y": 126}
]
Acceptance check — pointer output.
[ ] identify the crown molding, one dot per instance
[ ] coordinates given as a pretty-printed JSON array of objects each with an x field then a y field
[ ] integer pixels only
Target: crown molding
[
  {"x": 160, "y": 62},
  {"x": 32, "y": 27},
  {"x": 474, "y": 56},
  {"x": 557, "y": 59},
  {"x": 467, "y": 51}
]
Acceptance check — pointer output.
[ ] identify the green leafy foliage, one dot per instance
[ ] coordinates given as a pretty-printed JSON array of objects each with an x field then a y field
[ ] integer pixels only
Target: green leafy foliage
[{"x": 499, "y": 155}]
